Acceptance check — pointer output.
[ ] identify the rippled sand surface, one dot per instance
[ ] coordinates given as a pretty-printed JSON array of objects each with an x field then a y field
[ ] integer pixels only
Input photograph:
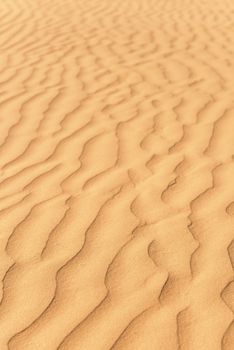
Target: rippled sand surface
[{"x": 116, "y": 174}]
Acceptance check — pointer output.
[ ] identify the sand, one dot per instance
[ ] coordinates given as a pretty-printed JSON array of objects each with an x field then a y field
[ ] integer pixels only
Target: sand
[{"x": 117, "y": 174}]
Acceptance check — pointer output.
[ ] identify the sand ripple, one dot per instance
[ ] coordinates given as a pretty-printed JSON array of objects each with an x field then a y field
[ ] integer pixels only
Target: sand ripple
[{"x": 116, "y": 178}]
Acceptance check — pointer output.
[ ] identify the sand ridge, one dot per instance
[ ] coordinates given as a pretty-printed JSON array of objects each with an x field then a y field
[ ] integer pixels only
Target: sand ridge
[{"x": 116, "y": 179}]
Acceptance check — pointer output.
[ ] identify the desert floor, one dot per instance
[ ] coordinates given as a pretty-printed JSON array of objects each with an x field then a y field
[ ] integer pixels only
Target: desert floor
[{"x": 116, "y": 174}]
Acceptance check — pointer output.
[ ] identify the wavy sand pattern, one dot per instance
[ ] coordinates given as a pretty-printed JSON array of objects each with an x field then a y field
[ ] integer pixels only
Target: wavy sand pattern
[{"x": 117, "y": 168}]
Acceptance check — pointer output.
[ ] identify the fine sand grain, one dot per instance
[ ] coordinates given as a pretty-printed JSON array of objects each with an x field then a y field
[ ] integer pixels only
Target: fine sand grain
[{"x": 116, "y": 174}]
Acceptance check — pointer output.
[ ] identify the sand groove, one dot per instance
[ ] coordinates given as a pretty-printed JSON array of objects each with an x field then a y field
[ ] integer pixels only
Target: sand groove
[{"x": 116, "y": 179}]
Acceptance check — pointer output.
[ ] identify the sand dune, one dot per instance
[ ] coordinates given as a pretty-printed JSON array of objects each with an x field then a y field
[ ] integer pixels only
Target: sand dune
[{"x": 117, "y": 168}]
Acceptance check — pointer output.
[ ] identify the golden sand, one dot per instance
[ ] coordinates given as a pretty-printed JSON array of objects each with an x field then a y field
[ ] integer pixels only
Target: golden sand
[{"x": 117, "y": 174}]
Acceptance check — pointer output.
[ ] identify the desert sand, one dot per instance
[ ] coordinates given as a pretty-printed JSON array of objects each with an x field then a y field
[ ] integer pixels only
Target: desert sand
[{"x": 117, "y": 174}]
